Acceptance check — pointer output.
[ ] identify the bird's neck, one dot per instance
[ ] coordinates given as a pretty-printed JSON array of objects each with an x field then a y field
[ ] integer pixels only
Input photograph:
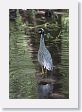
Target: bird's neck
[{"x": 42, "y": 43}]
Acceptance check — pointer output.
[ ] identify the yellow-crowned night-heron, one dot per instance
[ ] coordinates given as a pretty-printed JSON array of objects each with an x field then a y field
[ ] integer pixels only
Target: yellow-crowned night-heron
[{"x": 44, "y": 56}]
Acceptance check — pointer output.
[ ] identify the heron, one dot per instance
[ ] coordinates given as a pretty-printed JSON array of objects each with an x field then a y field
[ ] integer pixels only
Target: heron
[{"x": 44, "y": 56}]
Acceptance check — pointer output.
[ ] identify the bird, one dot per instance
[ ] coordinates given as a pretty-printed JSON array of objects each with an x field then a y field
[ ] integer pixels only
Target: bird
[{"x": 44, "y": 56}]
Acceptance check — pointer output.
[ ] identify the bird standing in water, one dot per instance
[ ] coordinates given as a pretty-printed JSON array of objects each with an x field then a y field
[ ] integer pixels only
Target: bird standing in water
[{"x": 44, "y": 56}]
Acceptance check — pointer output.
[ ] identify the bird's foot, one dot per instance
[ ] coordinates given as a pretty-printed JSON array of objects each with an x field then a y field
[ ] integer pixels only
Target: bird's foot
[{"x": 44, "y": 75}]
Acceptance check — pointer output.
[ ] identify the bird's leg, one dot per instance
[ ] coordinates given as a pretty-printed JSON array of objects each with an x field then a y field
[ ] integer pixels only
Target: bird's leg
[
  {"x": 45, "y": 71},
  {"x": 42, "y": 70}
]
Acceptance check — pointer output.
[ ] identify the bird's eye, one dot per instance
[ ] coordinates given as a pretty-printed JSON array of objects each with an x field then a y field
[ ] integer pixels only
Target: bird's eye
[{"x": 39, "y": 31}]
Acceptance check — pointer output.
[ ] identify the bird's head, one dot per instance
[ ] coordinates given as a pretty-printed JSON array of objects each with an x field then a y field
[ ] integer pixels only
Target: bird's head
[{"x": 41, "y": 31}]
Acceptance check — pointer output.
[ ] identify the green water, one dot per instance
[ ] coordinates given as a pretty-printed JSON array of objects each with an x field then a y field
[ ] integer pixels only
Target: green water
[{"x": 22, "y": 69}]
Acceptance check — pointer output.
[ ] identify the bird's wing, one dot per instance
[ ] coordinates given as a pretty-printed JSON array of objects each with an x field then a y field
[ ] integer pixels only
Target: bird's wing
[{"x": 47, "y": 60}]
